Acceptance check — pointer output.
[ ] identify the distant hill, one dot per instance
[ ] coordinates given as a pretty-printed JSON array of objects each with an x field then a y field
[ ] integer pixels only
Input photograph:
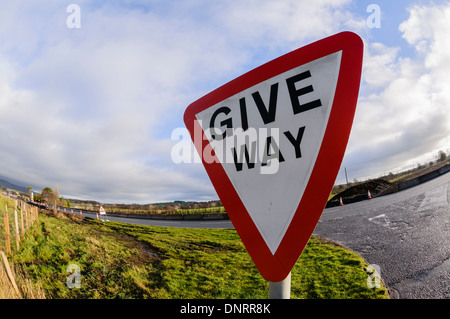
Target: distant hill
[{"x": 10, "y": 185}]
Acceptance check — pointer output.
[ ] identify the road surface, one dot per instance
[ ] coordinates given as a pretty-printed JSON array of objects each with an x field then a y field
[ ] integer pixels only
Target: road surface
[
  {"x": 406, "y": 234},
  {"x": 166, "y": 223}
]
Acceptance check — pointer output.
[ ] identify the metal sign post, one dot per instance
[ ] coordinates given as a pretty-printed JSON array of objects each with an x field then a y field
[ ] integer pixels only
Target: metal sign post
[{"x": 280, "y": 289}]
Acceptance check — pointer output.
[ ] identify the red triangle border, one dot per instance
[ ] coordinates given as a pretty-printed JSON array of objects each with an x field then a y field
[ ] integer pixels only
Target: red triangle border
[{"x": 276, "y": 267}]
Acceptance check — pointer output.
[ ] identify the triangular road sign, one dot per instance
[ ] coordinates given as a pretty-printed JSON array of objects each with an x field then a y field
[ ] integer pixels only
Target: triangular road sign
[{"x": 272, "y": 142}]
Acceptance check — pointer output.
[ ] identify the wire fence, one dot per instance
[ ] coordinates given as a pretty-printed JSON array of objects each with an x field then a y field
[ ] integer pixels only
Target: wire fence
[{"x": 16, "y": 218}]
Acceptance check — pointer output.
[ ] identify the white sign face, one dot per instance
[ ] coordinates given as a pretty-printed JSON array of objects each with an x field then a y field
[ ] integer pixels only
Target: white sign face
[{"x": 267, "y": 138}]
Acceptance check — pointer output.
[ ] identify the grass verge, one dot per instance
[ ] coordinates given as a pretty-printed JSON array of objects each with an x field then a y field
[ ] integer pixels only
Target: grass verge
[{"x": 127, "y": 261}]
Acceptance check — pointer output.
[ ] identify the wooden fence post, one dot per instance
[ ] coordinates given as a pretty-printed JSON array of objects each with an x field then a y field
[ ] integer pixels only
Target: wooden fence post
[
  {"x": 26, "y": 218},
  {"x": 30, "y": 217},
  {"x": 17, "y": 226},
  {"x": 8, "y": 239},
  {"x": 21, "y": 219},
  {"x": 9, "y": 273}
]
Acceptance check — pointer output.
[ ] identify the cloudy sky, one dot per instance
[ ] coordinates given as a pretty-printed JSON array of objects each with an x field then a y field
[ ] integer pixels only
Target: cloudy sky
[{"x": 92, "y": 108}]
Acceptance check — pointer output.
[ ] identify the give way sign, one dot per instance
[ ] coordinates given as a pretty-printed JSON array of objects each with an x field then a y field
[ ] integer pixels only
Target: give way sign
[{"x": 272, "y": 142}]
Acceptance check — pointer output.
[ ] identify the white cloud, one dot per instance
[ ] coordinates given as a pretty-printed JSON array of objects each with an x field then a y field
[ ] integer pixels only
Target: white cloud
[
  {"x": 92, "y": 109},
  {"x": 278, "y": 22},
  {"x": 408, "y": 113},
  {"x": 380, "y": 65}
]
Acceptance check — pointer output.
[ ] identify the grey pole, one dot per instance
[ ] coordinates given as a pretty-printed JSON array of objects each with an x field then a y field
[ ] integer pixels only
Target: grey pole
[{"x": 280, "y": 289}]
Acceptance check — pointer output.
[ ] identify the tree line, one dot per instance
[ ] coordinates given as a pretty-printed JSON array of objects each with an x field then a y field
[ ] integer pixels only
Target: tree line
[{"x": 51, "y": 197}]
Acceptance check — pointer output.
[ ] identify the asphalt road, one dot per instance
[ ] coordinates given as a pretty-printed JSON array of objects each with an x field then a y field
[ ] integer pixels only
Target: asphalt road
[
  {"x": 167, "y": 223},
  {"x": 406, "y": 234}
]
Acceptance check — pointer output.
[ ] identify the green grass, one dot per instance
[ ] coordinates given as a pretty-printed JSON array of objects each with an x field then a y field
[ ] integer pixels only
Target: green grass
[
  {"x": 207, "y": 210},
  {"x": 128, "y": 261},
  {"x": 180, "y": 211}
]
